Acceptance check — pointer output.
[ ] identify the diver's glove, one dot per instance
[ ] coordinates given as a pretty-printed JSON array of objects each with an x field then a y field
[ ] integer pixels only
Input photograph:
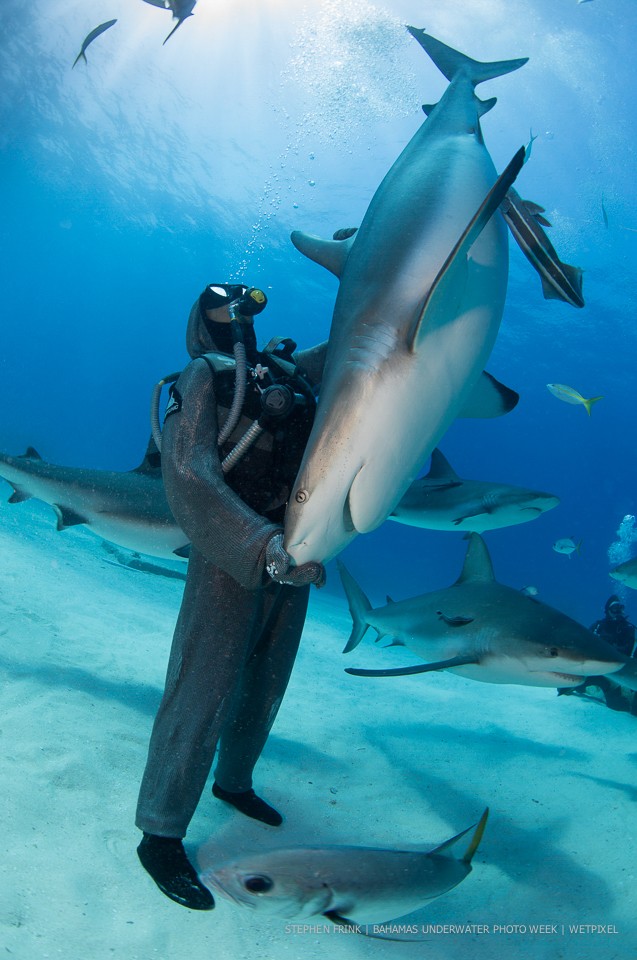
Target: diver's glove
[{"x": 279, "y": 566}]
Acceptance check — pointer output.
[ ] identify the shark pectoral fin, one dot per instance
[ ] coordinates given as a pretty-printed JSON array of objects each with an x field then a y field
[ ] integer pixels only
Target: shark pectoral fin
[
  {"x": 444, "y": 291},
  {"x": 488, "y": 398},
  {"x": 18, "y": 495},
  {"x": 410, "y": 671},
  {"x": 183, "y": 552},
  {"x": 330, "y": 254},
  {"x": 67, "y": 517}
]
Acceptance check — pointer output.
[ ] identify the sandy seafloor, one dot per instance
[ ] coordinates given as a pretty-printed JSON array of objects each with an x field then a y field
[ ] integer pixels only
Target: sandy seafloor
[{"x": 83, "y": 647}]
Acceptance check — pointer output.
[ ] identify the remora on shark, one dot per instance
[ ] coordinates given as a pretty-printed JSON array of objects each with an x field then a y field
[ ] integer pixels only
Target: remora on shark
[
  {"x": 483, "y": 630},
  {"x": 422, "y": 289},
  {"x": 129, "y": 509}
]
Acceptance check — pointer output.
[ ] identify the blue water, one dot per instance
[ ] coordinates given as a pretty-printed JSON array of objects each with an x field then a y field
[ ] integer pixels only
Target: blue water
[{"x": 128, "y": 183}]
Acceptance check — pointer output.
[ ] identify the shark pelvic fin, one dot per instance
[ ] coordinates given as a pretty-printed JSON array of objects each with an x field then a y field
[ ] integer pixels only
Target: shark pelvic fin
[
  {"x": 488, "y": 398},
  {"x": 410, "y": 671},
  {"x": 448, "y": 287},
  {"x": 330, "y": 254},
  {"x": 67, "y": 517},
  {"x": 477, "y": 562}
]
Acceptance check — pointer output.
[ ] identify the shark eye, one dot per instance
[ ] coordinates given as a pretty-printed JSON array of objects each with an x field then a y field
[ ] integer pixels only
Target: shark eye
[
  {"x": 258, "y": 884},
  {"x": 554, "y": 652}
]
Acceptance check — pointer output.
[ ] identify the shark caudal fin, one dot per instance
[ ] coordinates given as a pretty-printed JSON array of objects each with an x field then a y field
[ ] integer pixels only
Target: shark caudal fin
[
  {"x": 451, "y": 62},
  {"x": 359, "y": 607}
]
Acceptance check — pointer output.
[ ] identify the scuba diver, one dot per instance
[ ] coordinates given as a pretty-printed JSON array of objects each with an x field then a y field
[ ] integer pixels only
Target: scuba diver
[
  {"x": 616, "y": 629},
  {"x": 232, "y": 442}
]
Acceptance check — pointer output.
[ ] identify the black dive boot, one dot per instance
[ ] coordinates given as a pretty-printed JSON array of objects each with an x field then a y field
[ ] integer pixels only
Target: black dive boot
[
  {"x": 247, "y": 802},
  {"x": 164, "y": 858}
]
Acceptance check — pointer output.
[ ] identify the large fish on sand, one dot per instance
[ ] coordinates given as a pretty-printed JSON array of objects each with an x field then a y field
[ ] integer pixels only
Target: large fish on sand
[
  {"x": 483, "y": 630},
  {"x": 348, "y": 885},
  {"x": 422, "y": 289},
  {"x": 444, "y": 501},
  {"x": 129, "y": 509}
]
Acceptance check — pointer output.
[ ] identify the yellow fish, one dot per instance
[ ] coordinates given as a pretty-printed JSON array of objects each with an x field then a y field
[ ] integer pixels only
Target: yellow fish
[{"x": 569, "y": 395}]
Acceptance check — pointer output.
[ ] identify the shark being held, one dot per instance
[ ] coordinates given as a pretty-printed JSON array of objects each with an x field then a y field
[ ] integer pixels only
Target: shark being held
[
  {"x": 483, "y": 630},
  {"x": 346, "y": 884},
  {"x": 444, "y": 501},
  {"x": 129, "y": 509},
  {"x": 422, "y": 288}
]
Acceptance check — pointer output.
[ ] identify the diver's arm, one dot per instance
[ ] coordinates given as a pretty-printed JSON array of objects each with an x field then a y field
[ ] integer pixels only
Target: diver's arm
[{"x": 214, "y": 518}]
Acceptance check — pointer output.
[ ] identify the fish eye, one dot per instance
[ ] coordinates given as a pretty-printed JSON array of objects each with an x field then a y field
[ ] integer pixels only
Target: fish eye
[{"x": 258, "y": 884}]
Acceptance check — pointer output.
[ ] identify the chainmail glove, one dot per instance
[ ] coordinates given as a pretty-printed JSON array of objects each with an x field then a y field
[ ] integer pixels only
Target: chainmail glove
[{"x": 279, "y": 566}]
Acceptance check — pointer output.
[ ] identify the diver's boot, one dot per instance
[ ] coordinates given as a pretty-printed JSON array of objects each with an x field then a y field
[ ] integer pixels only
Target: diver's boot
[
  {"x": 247, "y": 802},
  {"x": 164, "y": 858}
]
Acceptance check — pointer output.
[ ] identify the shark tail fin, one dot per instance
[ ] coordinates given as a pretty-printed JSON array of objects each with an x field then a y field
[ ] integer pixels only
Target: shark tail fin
[
  {"x": 81, "y": 56},
  {"x": 451, "y": 62},
  {"x": 589, "y": 403},
  {"x": 176, "y": 27},
  {"x": 359, "y": 607}
]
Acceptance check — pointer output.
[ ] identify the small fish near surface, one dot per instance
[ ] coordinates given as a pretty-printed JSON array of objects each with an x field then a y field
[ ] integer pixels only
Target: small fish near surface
[
  {"x": 560, "y": 281},
  {"x": 569, "y": 395},
  {"x": 88, "y": 39},
  {"x": 422, "y": 288},
  {"x": 129, "y": 509},
  {"x": 348, "y": 885},
  {"x": 444, "y": 501},
  {"x": 626, "y": 573},
  {"x": 482, "y": 630},
  {"x": 181, "y": 10},
  {"x": 567, "y": 546}
]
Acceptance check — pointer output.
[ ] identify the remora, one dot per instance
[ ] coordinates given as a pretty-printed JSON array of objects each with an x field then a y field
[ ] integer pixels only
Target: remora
[{"x": 423, "y": 283}]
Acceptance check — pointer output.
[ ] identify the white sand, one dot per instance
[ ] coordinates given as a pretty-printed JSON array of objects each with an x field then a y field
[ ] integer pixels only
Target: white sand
[{"x": 391, "y": 762}]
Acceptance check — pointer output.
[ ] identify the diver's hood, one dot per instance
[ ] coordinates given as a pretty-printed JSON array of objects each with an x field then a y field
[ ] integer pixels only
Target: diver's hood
[
  {"x": 609, "y": 603},
  {"x": 198, "y": 337}
]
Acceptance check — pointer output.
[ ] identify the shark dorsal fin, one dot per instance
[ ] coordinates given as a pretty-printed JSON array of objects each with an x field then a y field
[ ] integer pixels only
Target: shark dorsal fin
[
  {"x": 440, "y": 468},
  {"x": 477, "y": 562},
  {"x": 330, "y": 254},
  {"x": 32, "y": 454},
  {"x": 152, "y": 459}
]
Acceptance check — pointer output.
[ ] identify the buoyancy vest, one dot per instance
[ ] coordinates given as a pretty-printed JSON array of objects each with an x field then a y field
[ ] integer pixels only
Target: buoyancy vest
[{"x": 265, "y": 474}]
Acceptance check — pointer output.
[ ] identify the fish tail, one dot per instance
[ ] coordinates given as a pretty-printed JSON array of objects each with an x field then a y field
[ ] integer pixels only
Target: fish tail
[
  {"x": 359, "y": 607},
  {"x": 451, "y": 62},
  {"x": 589, "y": 403}
]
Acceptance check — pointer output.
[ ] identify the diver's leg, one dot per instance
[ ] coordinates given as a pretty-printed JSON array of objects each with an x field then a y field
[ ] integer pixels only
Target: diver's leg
[
  {"x": 263, "y": 685},
  {"x": 210, "y": 646}
]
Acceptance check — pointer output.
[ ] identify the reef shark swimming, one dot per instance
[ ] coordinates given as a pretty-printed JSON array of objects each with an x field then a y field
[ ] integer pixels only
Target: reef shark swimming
[
  {"x": 129, "y": 509},
  {"x": 422, "y": 288},
  {"x": 444, "y": 501},
  {"x": 626, "y": 573},
  {"x": 349, "y": 885},
  {"x": 483, "y": 630}
]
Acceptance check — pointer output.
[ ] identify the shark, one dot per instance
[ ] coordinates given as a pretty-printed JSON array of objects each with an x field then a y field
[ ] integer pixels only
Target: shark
[
  {"x": 350, "y": 885},
  {"x": 422, "y": 289},
  {"x": 626, "y": 573},
  {"x": 482, "y": 630},
  {"x": 181, "y": 10},
  {"x": 444, "y": 501},
  {"x": 128, "y": 509}
]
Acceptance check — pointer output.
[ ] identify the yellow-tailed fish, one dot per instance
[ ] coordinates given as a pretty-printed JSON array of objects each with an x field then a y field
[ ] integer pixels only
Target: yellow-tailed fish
[{"x": 569, "y": 395}]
